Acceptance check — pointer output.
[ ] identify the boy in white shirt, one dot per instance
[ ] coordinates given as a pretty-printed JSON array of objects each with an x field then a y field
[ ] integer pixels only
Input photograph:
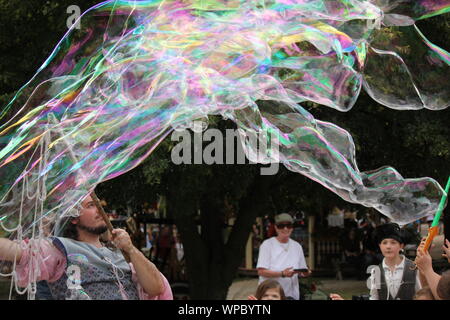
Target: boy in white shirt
[{"x": 396, "y": 278}]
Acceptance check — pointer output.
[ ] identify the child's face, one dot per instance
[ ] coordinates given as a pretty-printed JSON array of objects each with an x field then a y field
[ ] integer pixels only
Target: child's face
[
  {"x": 271, "y": 294},
  {"x": 390, "y": 248}
]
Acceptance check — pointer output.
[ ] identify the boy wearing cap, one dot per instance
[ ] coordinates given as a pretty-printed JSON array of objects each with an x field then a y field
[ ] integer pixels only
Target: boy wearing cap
[
  {"x": 279, "y": 257},
  {"x": 398, "y": 278}
]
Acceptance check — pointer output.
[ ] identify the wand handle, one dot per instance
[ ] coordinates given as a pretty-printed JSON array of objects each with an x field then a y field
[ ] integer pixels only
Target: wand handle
[
  {"x": 432, "y": 232},
  {"x": 434, "y": 229}
]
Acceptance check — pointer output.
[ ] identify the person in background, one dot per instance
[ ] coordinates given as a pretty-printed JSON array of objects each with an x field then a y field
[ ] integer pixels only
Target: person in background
[
  {"x": 352, "y": 248},
  {"x": 282, "y": 259},
  {"x": 370, "y": 252},
  {"x": 164, "y": 244}
]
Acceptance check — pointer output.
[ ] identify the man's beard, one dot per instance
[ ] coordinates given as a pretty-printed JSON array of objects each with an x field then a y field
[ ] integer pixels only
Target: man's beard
[{"x": 97, "y": 230}]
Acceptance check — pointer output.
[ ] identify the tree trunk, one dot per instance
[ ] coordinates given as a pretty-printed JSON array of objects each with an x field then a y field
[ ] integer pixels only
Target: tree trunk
[
  {"x": 254, "y": 204},
  {"x": 211, "y": 265}
]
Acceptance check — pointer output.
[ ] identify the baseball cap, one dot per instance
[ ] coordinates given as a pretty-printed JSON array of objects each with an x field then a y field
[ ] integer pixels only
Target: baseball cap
[{"x": 283, "y": 217}]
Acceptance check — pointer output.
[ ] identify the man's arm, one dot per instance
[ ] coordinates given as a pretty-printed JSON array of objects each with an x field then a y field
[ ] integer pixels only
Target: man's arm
[
  {"x": 425, "y": 266},
  {"x": 433, "y": 280},
  {"x": 51, "y": 263},
  {"x": 288, "y": 272},
  {"x": 269, "y": 273},
  {"x": 423, "y": 280},
  {"x": 147, "y": 274},
  {"x": 9, "y": 250}
]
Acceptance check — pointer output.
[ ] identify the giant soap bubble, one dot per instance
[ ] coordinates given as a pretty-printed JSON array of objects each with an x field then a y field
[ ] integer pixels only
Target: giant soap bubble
[{"x": 136, "y": 70}]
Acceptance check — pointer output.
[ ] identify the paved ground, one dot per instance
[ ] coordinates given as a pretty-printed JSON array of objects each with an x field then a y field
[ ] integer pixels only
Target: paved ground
[
  {"x": 4, "y": 288},
  {"x": 242, "y": 288}
]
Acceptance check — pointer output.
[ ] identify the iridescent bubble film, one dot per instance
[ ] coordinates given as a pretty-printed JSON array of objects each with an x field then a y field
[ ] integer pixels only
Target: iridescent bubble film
[{"x": 136, "y": 70}]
